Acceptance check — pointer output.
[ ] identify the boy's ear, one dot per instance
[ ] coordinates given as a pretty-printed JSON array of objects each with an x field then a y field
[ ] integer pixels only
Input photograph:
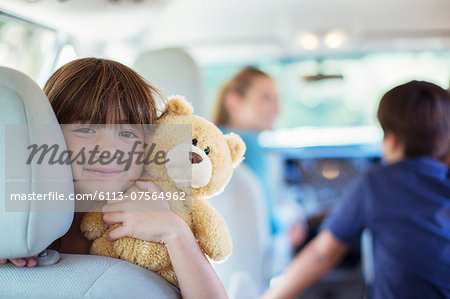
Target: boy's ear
[
  {"x": 392, "y": 139},
  {"x": 177, "y": 105},
  {"x": 393, "y": 147},
  {"x": 237, "y": 148}
]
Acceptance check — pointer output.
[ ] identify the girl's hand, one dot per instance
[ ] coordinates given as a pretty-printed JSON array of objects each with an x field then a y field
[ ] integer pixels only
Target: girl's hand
[
  {"x": 149, "y": 220},
  {"x": 154, "y": 222},
  {"x": 21, "y": 262}
]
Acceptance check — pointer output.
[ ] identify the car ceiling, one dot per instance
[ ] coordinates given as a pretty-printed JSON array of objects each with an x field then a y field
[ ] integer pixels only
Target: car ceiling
[{"x": 271, "y": 26}]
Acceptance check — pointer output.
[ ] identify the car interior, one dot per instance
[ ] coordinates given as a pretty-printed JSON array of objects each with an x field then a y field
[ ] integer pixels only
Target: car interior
[{"x": 331, "y": 61}]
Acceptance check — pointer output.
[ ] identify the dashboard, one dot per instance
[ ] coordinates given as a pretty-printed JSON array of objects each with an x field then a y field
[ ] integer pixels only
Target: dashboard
[{"x": 317, "y": 179}]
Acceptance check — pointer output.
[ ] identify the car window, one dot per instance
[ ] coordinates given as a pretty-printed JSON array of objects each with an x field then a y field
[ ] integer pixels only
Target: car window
[
  {"x": 348, "y": 99},
  {"x": 27, "y": 47}
]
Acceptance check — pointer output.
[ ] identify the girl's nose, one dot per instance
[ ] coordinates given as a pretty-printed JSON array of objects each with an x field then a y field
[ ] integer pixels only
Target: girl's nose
[{"x": 107, "y": 146}]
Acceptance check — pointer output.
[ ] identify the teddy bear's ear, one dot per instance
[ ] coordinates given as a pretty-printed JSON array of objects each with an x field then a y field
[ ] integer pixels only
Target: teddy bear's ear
[
  {"x": 177, "y": 105},
  {"x": 237, "y": 148}
]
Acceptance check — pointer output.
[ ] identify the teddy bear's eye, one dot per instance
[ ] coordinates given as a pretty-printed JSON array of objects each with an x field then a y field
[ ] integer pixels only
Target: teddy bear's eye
[
  {"x": 194, "y": 142},
  {"x": 207, "y": 150}
]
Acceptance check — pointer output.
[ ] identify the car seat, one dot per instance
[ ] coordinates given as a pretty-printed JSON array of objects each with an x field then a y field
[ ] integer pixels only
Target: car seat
[{"x": 29, "y": 227}]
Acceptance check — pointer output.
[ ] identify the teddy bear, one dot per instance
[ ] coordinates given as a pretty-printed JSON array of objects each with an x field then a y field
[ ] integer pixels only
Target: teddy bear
[{"x": 200, "y": 162}]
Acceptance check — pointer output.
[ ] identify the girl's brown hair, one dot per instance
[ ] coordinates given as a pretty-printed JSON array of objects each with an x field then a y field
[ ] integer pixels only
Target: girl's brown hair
[
  {"x": 101, "y": 91},
  {"x": 239, "y": 84}
]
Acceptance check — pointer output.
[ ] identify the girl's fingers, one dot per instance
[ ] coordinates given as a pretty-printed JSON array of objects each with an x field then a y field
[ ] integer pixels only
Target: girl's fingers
[
  {"x": 117, "y": 233},
  {"x": 20, "y": 262},
  {"x": 3, "y": 261},
  {"x": 114, "y": 207},
  {"x": 31, "y": 262},
  {"x": 148, "y": 186},
  {"x": 113, "y": 218},
  {"x": 137, "y": 206}
]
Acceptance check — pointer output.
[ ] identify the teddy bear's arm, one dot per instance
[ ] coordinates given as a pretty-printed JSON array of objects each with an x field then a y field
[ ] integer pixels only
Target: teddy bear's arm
[
  {"x": 93, "y": 226},
  {"x": 211, "y": 231}
]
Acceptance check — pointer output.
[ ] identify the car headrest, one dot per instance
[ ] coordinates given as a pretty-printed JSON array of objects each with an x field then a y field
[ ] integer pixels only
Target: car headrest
[
  {"x": 173, "y": 71},
  {"x": 28, "y": 224}
]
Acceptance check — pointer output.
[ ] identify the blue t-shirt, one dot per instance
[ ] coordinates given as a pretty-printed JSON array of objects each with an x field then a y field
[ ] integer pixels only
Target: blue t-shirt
[{"x": 407, "y": 208}]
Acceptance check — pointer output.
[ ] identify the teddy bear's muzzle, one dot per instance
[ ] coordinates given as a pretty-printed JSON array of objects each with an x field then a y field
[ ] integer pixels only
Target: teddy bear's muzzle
[{"x": 188, "y": 166}]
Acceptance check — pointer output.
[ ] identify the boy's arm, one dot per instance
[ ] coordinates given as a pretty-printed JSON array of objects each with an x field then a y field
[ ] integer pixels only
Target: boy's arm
[{"x": 319, "y": 256}]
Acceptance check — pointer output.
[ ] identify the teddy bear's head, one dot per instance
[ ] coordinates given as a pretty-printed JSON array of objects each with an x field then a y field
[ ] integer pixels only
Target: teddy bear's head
[{"x": 199, "y": 155}]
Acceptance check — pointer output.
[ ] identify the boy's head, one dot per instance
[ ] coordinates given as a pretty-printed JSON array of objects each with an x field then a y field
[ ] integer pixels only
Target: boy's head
[{"x": 415, "y": 118}]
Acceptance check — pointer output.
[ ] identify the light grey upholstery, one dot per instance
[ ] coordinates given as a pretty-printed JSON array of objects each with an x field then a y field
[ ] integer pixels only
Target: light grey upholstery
[
  {"x": 83, "y": 276},
  {"x": 25, "y": 112},
  {"x": 242, "y": 206},
  {"x": 173, "y": 72}
]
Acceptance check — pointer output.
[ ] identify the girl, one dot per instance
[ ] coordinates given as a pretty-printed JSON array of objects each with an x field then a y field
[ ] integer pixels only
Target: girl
[{"x": 89, "y": 92}]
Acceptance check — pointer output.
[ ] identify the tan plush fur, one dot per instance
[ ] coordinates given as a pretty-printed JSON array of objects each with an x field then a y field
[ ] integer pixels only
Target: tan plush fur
[{"x": 207, "y": 225}]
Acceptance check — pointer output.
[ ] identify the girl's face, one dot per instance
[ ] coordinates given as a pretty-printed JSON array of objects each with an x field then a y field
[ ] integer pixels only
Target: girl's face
[
  {"x": 99, "y": 165},
  {"x": 258, "y": 108}
]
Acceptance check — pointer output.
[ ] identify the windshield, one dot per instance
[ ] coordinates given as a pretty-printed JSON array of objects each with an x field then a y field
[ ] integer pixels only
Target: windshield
[{"x": 338, "y": 92}]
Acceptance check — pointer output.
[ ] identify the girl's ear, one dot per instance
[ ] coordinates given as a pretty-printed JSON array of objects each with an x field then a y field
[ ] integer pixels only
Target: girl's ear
[
  {"x": 237, "y": 148},
  {"x": 177, "y": 105}
]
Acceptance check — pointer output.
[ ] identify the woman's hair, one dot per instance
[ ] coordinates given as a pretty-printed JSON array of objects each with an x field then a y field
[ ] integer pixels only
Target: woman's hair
[
  {"x": 418, "y": 113},
  {"x": 239, "y": 84},
  {"x": 101, "y": 91}
]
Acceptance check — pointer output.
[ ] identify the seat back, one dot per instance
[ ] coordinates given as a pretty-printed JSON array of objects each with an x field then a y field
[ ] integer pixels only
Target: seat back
[
  {"x": 243, "y": 208},
  {"x": 173, "y": 72}
]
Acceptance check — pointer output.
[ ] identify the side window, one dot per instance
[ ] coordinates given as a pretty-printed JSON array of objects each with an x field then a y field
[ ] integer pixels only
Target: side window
[
  {"x": 66, "y": 54},
  {"x": 27, "y": 47}
]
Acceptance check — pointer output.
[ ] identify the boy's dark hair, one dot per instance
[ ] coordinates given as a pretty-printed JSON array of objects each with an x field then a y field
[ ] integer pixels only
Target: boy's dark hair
[{"x": 418, "y": 113}]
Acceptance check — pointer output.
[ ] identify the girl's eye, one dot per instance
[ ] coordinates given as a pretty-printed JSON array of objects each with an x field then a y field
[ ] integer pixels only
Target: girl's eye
[
  {"x": 207, "y": 150},
  {"x": 194, "y": 142},
  {"x": 128, "y": 134},
  {"x": 85, "y": 130}
]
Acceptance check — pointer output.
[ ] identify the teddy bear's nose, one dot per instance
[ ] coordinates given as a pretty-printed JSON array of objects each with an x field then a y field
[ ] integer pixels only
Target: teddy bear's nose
[{"x": 195, "y": 158}]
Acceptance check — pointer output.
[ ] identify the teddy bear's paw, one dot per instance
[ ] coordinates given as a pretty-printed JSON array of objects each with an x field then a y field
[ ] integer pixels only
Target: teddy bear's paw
[
  {"x": 102, "y": 246},
  {"x": 216, "y": 251},
  {"x": 93, "y": 225},
  {"x": 169, "y": 275},
  {"x": 152, "y": 256}
]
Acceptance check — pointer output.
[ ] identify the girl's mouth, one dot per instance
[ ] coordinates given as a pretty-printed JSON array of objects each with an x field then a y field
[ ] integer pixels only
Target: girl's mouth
[{"x": 104, "y": 172}]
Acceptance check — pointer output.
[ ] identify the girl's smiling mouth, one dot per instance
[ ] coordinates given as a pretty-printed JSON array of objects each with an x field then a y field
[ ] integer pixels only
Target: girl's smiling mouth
[{"x": 104, "y": 172}]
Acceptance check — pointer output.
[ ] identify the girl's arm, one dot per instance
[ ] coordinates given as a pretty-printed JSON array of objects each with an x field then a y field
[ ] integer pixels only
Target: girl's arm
[{"x": 196, "y": 276}]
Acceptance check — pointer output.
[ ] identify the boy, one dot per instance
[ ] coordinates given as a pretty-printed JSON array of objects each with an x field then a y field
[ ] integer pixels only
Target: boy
[{"x": 405, "y": 204}]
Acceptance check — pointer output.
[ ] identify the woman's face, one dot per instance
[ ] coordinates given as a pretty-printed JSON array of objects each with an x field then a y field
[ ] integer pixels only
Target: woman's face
[
  {"x": 97, "y": 162},
  {"x": 258, "y": 108}
]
